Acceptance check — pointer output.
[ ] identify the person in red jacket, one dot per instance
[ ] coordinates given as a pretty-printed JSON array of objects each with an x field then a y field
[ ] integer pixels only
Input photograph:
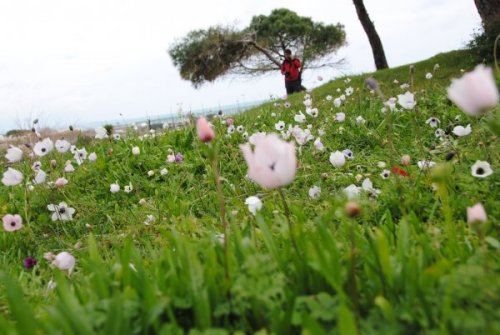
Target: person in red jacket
[{"x": 291, "y": 68}]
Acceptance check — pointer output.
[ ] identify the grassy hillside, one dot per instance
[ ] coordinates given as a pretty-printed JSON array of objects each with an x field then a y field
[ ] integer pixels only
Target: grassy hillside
[{"x": 398, "y": 258}]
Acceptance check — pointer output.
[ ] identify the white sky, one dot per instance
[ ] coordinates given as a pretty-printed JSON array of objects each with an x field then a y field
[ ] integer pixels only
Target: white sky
[{"x": 73, "y": 62}]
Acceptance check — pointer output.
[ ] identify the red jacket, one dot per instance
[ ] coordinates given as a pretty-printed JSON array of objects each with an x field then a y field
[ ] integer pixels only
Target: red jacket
[{"x": 290, "y": 68}]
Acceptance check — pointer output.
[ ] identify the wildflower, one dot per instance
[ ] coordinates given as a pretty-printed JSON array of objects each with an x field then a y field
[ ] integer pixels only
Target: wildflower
[
  {"x": 439, "y": 133},
  {"x": 371, "y": 83},
  {"x": 385, "y": 174},
  {"x": 229, "y": 122},
  {"x": 404, "y": 86},
  {"x": 179, "y": 157},
  {"x": 428, "y": 75},
  {"x": 60, "y": 182},
  {"x": 40, "y": 177},
  {"x": 329, "y": 98},
  {"x": 43, "y": 147},
  {"x": 337, "y": 159},
  {"x": 312, "y": 112},
  {"x": 337, "y": 102},
  {"x": 381, "y": 164},
  {"x": 407, "y": 100},
  {"x": 114, "y": 188},
  {"x": 29, "y": 262},
  {"x": 163, "y": 171},
  {"x": 314, "y": 192},
  {"x": 128, "y": 188},
  {"x": 80, "y": 156},
  {"x": 150, "y": 218},
  {"x": 14, "y": 154},
  {"x": 481, "y": 169},
  {"x": 400, "y": 171},
  {"x": 62, "y": 146},
  {"x": 340, "y": 117},
  {"x": 461, "y": 131},
  {"x": 433, "y": 122},
  {"x": 254, "y": 204},
  {"x": 62, "y": 212},
  {"x": 151, "y": 173},
  {"x": 360, "y": 120},
  {"x": 136, "y": 151},
  {"x": 300, "y": 118},
  {"x": 367, "y": 186},
  {"x": 64, "y": 261},
  {"x": 342, "y": 97},
  {"x": 240, "y": 129},
  {"x": 475, "y": 92},
  {"x": 279, "y": 126},
  {"x": 391, "y": 103},
  {"x": 318, "y": 145},
  {"x": 352, "y": 191},
  {"x": 230, "y": 129},
  {"x": 12, "y": 177},
  {"x": 272, "y": 163},
  {"x": 349, "y": 91},
  {"x": 69, "y": 167},
  {"x": 245, "y": 135},
  {"x": 287, "y": 104},
  {"x": 101, "y": 133},
  {"x": 476, "y": 213},
  {"x": 12, "y": 222},
  {"x": 142, "y": 202},
  {"x": 423, "y": 165},
  {"x": 348, "y": 154},
  {"x": 93, "y": 157},
  {"x": 308, "y": 102},
  {"x": 171, "y": 158},
  {"x": 117, "y": 137},
  {"x": 254, "y": 138}
]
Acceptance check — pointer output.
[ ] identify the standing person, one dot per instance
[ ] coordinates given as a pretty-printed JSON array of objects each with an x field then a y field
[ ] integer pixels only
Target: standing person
[{"x": 291, "y": 69}]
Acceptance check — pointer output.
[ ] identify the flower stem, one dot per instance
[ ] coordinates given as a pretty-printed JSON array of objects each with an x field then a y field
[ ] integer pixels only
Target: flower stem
[
  {"x": 290, "y": 225},
  {"x": 495, "y": 52}
]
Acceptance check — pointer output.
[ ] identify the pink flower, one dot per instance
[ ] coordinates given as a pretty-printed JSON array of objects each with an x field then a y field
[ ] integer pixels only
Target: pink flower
[
  {"x": 272, "y": 163},
  {"x": 475, "y": 92},
  {"x": 60, "y": 182},
  {"x": 476, "y": 213},
  {"x": 229, "y": 122},
  {"x": 205, "y": 132},
  {"x": 12, "y": 222}
]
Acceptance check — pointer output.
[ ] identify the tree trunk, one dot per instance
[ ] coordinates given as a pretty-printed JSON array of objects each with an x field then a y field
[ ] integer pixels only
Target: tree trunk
[
  {"x": 369, "y": 27},
  {"x": 489, "y": 10}
]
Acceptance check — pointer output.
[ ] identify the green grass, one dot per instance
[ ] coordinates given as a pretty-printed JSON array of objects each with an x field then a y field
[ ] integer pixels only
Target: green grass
[{"x": 408, "y": 264}]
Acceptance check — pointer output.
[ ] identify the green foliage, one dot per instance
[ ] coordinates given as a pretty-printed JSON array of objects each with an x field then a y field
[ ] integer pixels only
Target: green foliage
[
  {"x": 17, "y": 132},
  {"x": 482, "y": 44},
  {"x": 109, "y": 129},
  {"x": 399, "y": 267},
  {"x": 205, "y": 55}
]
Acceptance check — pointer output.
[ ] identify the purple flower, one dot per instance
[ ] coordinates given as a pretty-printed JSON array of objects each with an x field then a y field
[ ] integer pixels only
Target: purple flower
[
  {"x": 179, "y": 158},
  {"x": 29, "y": 262}
]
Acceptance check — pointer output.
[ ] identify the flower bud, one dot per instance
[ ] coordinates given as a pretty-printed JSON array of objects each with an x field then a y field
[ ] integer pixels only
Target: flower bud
[{"x": 205, "y": 132}]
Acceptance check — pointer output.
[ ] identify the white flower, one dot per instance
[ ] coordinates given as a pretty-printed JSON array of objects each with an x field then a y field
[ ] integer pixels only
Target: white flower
[
  {"x": 231, "y": 129},
  {"x": 43, "y": 147},
  {"x": 93, "y": 157},
  {"x": 80, "y": 156},
  {"x": 342, "y": 97},
  {"x": 101, "y": 133},
  {"x": 381, "y": 165},
  {"x": 404, "y": 86},
  {"x": 391, "y": 103},
  {"x": 149, "y": 219},
  {"x": 73, "y": 149},
  {"x": 136, "y": 151},
  {"x": 12, "y": 177},
  {"x": 475, "y": 92},
  {"x": 407, "y": 100},
  {"x": 318, "y": 145},
  {"x": 428, "y": 75},
  {"x": 481, "y": 169},
  {"x": 423, "y": 165},
  {"x": 329, "y": 98},
  {"x": 163, "y": 171},
  {"x": 348, "y": 153},
  {"x": 280, "y": 125},
  {"x": 337, "y": 159},
  {"x": 151, "y": 173},
  {"x": 337, "y": 102},
  {"x": 439, "y": 133},
  {"x": 349, "y": 91},
  {"x": 308, "y": 102},
  {"x": 340, "y": 117},
  {"x": 367, "y": 186},
  {"x": 61, "y": 212},
  {"x": 314, "y": 192},
  {"x": 14, "y": 154},
  {"x": 352, "y": 191},
  {"x": 360, "y": 120},
  {"x": 433, "y": 122},
  {"x": 113, "y": 188},
  {"x": 321, "y": 132},
  {"x": 64, "y": 261},
  {"x": 240, "y": 129},
  {"x": 461, "y": 131},
  {"x": 300, "y": 118},
  {"x": 69, "y": 167},
  {"x": 170, "y": 158},
  {"x": 128, "y": 188},
  {"x": 245, "y": 135},
  {"x": 40, "y": 177},
  {"x": 254, "y": 204},
  {"x": 312, "y": 112},
  {"x": 347, "y": 80},
  {"x": 385, "y": 174},
  {"x": 62, "y": 146}
]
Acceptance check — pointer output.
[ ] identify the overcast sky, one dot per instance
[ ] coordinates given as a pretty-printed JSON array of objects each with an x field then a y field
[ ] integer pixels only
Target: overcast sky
[{"x": 73, "y": 62}]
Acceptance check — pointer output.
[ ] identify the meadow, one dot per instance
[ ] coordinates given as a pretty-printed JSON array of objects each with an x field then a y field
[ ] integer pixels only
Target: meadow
[{"x": 161, "y": 233}]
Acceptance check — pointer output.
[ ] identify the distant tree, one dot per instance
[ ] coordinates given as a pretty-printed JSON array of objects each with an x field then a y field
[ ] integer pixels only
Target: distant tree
[
  {"x": 371, "y": 32},
  {"x": 207, "y": 54}
]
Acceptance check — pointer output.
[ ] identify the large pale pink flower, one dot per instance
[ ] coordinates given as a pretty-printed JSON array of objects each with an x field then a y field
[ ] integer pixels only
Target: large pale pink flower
[
  {"x": 205, "y": 132},
  {"x": 475, "y": 92},
  {"x": 476, "y": 213},
  {"x": 272, "y": 163},
  {"x": 12, "y": 222}
]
